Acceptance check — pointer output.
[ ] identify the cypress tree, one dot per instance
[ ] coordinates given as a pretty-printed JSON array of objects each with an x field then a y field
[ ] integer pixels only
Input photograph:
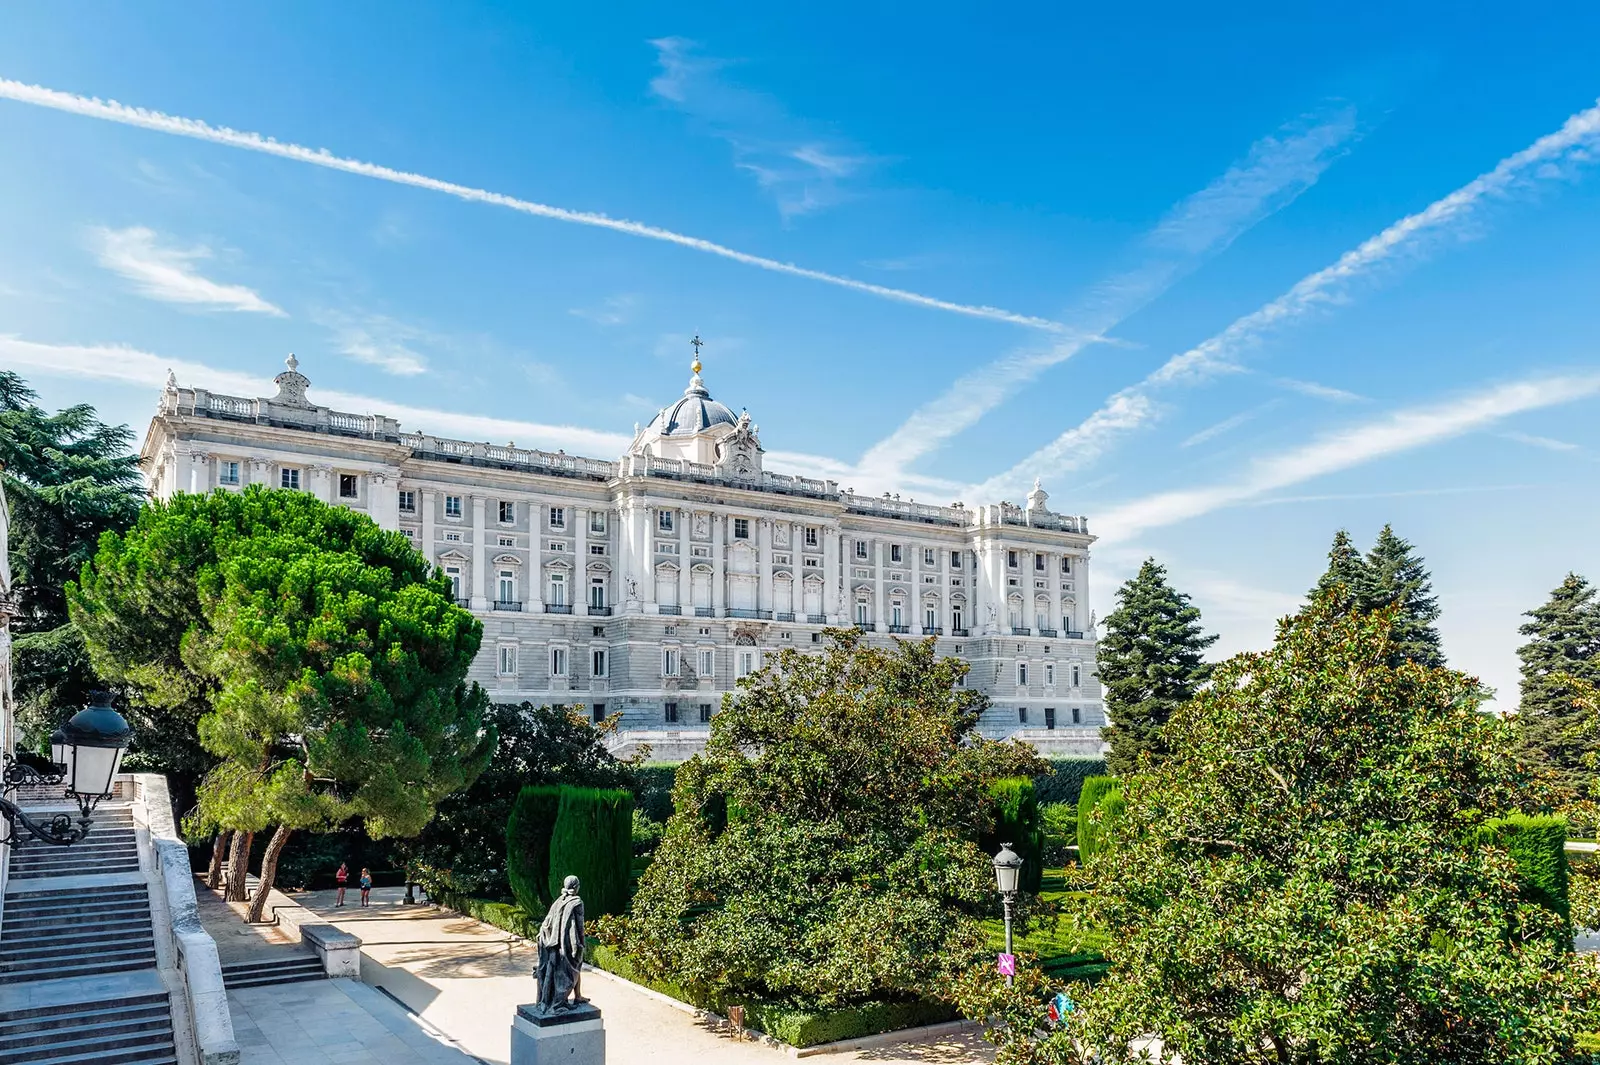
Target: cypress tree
[
  {"x": 1563, "y": 641},
  {"x": 1393, "y": 575},
  {"x": 593, "y": 840},
  {"x": 528, "y": 832},
  {"x": 1343, "y": 577},
  {"x": 1017, "y": 823},
  {"x": 1150, "y": 664}
]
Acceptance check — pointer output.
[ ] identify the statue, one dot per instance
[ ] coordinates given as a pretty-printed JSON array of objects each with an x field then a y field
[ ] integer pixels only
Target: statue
[
  {"x": 633, "y": 590},
  {"x": 561, "y": 952}
]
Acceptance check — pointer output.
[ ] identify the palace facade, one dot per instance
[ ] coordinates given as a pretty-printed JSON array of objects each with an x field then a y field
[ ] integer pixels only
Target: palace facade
[{"x": 646, "y": 586}]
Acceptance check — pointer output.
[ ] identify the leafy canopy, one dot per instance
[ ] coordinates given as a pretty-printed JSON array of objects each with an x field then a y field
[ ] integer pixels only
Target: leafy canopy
[
  {"x": 1307, "y": 878},
  {"x": 822, "y": 848},
  {"x": 1392, "y": 574},
  {"x": 1151, "y": 662}
]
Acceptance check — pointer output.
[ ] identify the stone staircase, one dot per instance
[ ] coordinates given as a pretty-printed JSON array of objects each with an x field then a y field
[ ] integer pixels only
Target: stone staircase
[
  {"x": 286, "y": 970},
  {"x": 78, "y": 977}
]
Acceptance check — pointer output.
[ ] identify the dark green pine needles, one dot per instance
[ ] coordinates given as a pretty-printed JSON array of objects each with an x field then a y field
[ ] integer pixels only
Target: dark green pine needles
[
  {"x": 1151, "y": 662},
  {"x": 1391, "y": 575},
  {"x": 1563, "y": 646}
]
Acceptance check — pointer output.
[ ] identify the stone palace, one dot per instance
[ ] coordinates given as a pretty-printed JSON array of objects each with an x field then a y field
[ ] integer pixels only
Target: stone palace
[{"x": 646, "y": 586}]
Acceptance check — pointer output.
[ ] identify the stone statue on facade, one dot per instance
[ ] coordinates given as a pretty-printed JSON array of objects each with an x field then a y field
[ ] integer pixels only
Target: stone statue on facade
[{"x": 561, "y": 952}]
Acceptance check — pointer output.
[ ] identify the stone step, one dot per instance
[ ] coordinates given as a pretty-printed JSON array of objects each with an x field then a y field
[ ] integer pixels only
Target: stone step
[
  {"x": 276, "y": 971},
  {"x": 136, "y": 1030},
  {"x": 75, "y": 1036},
  {"x": 23, "y": 931},
  {"x": 20, "y": 1022},
  {"x": 93, "y": 902},
  {"x": 116, "y": 960},
  {"x": 47, "y": 947}
]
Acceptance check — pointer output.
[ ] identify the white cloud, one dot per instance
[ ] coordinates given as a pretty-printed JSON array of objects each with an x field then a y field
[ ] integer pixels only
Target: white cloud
[
  {"x": 1319, "y": 391},
  {"x": 613, "y": 310},
  {"x": 377, "y": 340},
  {"x": 1547, "y": 157},
  {"x": 1224, "y": 426},
  {"x": 168, "y": 274},
  {"x": 1275, "y": 171},
  {"x": 111, "y": 111},
  {"x": 1540, "y": 441},
  {"x": 1396, "y": 432}
]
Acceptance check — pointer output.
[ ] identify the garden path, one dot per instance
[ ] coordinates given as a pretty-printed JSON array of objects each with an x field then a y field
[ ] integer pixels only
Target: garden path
[{"x": 467, "y": 978}]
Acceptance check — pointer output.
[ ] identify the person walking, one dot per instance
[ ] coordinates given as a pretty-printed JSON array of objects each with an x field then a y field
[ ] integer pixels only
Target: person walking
[
  {"x": 366, "y": 886},
  {"x": 341, "y": 877}
]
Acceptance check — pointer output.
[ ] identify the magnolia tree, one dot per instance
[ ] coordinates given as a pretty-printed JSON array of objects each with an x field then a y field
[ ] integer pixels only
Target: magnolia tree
[
  {"x": 331, "y": 657},
  {"x": 1304, "y": 879}
]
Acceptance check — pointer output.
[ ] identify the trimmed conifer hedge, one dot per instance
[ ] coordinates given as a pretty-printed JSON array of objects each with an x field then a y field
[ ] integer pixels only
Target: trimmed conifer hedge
[
  {"x": 653, "y": 784},
  {"x": 1064, "y": 782},
  {"x": 528, "y": 832},
  {"x": 593, "y": 840},
  {"x": 1017, "y": 823},
  {"x": 1097, "y": 791},
  {"x": 1539, "y": 847}
]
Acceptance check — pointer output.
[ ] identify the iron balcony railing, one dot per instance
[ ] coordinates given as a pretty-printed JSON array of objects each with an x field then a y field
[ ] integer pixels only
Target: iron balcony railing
[
  {"x": 741, "y": 612},
  {"x": 816, "y": 619},
  {"x": 932, "y": 630},
  {"x": 704, "y": 612},
  {"x": 508, "y": 604},
  {"x": 599, "y": 611},
  {"x": 1019, "y": 630},
  {"x": 900, "y": 628},
  {"x": 961, "y": 632},
  {"x": 783, "y": 617},
  {"x": 1072, "y": 635},
  {"x": 1047, "y": 632},
  {"x": 557, "y": 608},
  {"x": 671, "y": 610}
]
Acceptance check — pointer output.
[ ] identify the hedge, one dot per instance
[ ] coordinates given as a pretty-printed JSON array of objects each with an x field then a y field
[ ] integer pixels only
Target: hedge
[
  {"x": 1059, "y": 821},
  {"x": 1539, "y": 847},
  {"x": 593, "y": 840},
  {"x": 653, "y": 784},
  {"x": 788, "y": 1024},
  {"x": 502, "y": 915},
  {"x": 1104, "y": 793},
  {"x": 528, "y": 833},
  {"x": 1017, "y": 823},
  {"x": 1065, "y": 780}
]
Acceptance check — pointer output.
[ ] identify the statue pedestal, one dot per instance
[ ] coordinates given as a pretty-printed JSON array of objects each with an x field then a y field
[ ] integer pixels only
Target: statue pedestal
[{"x": 569, "y": 1037}]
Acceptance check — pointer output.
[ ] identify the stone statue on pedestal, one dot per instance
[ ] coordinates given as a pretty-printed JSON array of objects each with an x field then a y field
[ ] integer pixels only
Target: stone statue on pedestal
[{"x": 561, "y": 952}]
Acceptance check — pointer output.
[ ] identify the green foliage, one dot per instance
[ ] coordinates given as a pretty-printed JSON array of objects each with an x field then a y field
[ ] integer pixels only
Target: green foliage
[
  {"x": 1094, "y": 789},
  {"x": 1017, "y": 822},
  {"x": 653, "y": 782},
  {"x": 529, "y": 830},
  {"x": 794, "y": 1027},
  {"x": 1302, "y": 881},
  {"x": 1562, "y": 655},
  {"x": 593, "y": 840},
  {"x": 463, "y": 849},
  {"x": 1063, "y": 781},
  {"x": 507, "y": 918},
  {"x": 1539, "y": 847},
  {"x": 1060, "y": 823},
  {"x": 1151, "y": 662},
  {"x": 1097, "y": 819},
  {"x": 1392, "y": 575},
  {"x": 848, "y": 870}
]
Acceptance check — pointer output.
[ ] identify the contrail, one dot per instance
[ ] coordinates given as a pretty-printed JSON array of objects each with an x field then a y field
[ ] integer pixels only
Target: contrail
[{"x": 112, "y": 111}]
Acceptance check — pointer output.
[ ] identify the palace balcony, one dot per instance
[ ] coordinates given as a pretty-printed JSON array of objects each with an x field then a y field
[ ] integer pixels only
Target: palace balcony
[
  {"x": 816, "y": 619},
  {"x": 1020, "y": 630},
  {"x": 508, "y": 604},
  {"x": 557, "y": 608},
  {"x": 671, "y": 611}
]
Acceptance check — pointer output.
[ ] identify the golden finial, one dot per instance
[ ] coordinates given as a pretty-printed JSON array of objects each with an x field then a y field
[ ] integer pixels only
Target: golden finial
[{"x": 696, "y": 344}]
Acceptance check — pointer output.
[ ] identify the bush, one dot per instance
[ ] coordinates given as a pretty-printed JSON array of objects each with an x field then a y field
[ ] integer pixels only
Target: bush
[
  {"x": 653, "y": 786},
  {"x": 1093, "y": 833},
  {"x": 593, "y": 840},
  {"x": 1017, "y": 823},
  {"x": 528, "y": 834},
  {"x": 1059, "y": 822},
  {"x": 1539, "y": 847},
  {"x": 502, "y": 915},
  {"x": 1065, "y": 780}
]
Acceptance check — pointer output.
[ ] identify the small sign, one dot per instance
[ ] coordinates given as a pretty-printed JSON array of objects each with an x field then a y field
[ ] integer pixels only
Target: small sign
[
  {"x": 1006, "y": 964},
  {"x": 1060, "y": 1006}
]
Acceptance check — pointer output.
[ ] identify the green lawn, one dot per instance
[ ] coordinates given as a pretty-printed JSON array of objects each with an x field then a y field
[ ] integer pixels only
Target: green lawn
[{"x": 1062, "y": 947}]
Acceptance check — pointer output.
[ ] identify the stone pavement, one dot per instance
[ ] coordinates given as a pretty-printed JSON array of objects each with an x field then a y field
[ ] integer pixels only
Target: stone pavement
[
  {"x": 237, "y": 940},
  {"x": 467, "y": 978},
  {"x": 323, "y": 1022}
]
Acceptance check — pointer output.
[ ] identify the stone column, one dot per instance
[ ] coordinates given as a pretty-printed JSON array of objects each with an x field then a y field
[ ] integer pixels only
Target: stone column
[
  {"x": 830, "y": 574},
  {"x": 480, "y": 601},
  {"x": 195, "y": 475},
  {"x": 685, "y": 557},
  {"x": 321, "y": 484},
  {"x": 1080, "y": 591},
  {"x": 260, "y": 471},
  {"x": 430, "y": 502},
  {"x": 878, "y": 618},
  {"x": 1052, "y": 565},
  {"x": 580, "y": 566},
  {"x": 533, "y": 594},
  {"x": 718, "y": 538},
  {"x": 916, "y": 589},
  {"x": 383, "y": 499},
  {"x": 764, "y": 564}
]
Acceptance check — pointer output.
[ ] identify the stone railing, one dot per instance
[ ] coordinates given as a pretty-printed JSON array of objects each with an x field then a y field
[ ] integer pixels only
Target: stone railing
[
  {"x": 197, "y": 951},
  {"x": 207, "y": 404},
  {"x": 906, "y": 510},
  {"x": 558, "y": 462}
]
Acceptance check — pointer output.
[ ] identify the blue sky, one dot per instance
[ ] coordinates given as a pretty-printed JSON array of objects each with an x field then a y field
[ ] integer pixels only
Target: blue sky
[{"x": 1224, "y": 283}]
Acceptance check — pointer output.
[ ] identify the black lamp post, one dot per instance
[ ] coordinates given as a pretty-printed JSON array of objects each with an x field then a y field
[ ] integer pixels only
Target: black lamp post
[
  {"x": 86, "y": 753},
  {"x": 1007, "y": 872}
]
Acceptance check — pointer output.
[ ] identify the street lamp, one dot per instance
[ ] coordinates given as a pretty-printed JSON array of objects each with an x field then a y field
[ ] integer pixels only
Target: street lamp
[
  {"x": 86, "y": 753},
  {"x": 1007, "y": 871}
]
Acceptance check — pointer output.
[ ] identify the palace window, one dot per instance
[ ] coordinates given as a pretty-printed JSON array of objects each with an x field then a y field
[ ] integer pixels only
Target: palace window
[
  {"x": 508, "y": 512},
  {"x": 747, "y": 664},
  {"x": 811, "y": 536},
  {"x": 930, "y": 619},
  {"x": 741, "y": 528},
  {"x": 897, "y": 614},
  {"x": 508, "y": 541},
  {"x": 928, "y": 556},
  {"x": 1022, "y": 715},
  {"x": 708, "y": 663},
  {"x": 664, "y": 520},
  {"x": 861, "y": 549},
  {"x": 1074, "y": 676},
  {"x": 289, "y": 477},
  {"x": 955, "y": 560},
  {"x": 453, "y": 537},
  {"x": 558, "y": 517},
  {"x": 812, "y": 562},
  {"x": 558, "y": 589},
  {"x": 454, "y": 575},
  {"x": 508, "y": 661},
  {"x": 669, "y": 661},
  {"x": 597, "y": 521},
  {"x": 894, "y": 552},
  {"x": 347, "y": 486},
  {"x": 558, "y": 661},
  {"x": 597, "y": 593},
  {"x": 1077, "y": 716},
  {"x": 705, "y": 713},
  {"x": 452, "y": 506},
  {"x": 1049, "y": 717},
  {"x": 597, "y": 549},
  {"x": 597, "y": 662},
  {"x": 955, "y": 617},
  {"x": 508, "y": 586},
  {"x": 1066, "y": 564},
  {"x": 1038, "y": 563},
  {"x": 558, "y": 546},
  {"x": 669, "y": 713},
  {"x": 1022, "y": 674},
  {"x": 227, "y": 473},
  {"x": 408, "y": 501},
  {"x": 1011, "y": 559},
  {"x": 597, "y": 713},
  {"x": 1050, "y": 673},
  {"x": 861, "y": 613}
]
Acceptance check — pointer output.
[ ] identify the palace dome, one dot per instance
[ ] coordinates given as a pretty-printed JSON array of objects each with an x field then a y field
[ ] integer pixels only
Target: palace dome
[{"x": 694, "y": 413}]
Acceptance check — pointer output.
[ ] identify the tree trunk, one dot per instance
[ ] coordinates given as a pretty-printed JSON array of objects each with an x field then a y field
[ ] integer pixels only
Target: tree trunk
[
  {"x": 218, "y": 849},
  {"x": 238, "y": 865},
  {"x": 269, "y": 871}
]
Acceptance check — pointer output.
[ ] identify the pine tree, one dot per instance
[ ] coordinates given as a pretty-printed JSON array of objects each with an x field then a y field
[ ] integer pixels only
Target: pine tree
[
  {"x": 1393, "y": 574},
  {"x": 1344, "y": 573},
  {"x": 1151, "y": 663},
  {"x": 1564, "y": 639}
]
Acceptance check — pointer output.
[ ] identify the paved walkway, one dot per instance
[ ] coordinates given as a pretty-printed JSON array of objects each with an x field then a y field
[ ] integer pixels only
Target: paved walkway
[
  {"x": 467, "y": 979},
  {"x": 237, "y": 940},
  {"x": 323, "y": 1022}
]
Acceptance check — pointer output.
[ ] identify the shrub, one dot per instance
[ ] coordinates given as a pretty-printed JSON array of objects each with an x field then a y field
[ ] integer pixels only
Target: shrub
[
  {"x": 653, "y": 785},
  {"x": 1017, "y": 823},
  {"x": 1094, "y": 827},
  {"x": 528, "y": 835},
  {"x": 1064, "y": 782},
  {"x": 1094, "y": 789},
  {"x": 1059, "y": 821},
  {"x": 502, "y": 915},
  {"x": 593, "y": 840},
  {"x": 1539, "y": 847}
]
